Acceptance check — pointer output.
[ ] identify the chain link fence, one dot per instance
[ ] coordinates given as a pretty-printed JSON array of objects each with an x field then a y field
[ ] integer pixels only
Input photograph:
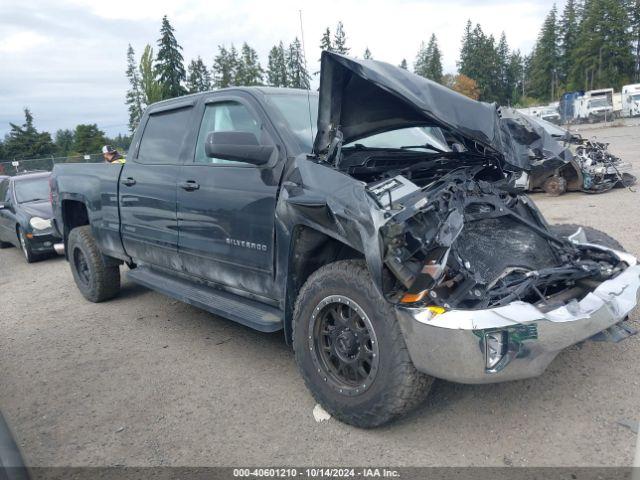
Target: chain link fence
[{"x": 44, "y": 164}]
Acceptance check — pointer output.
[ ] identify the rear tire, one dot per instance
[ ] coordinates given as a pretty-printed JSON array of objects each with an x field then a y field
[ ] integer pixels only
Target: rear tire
[
  {"x": 593, "y": 235},
  {"x": 350, "y": 350},
  {"x": 97, "y": 276}
]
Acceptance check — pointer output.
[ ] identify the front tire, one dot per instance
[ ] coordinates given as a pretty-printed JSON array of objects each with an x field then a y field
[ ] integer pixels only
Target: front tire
[
  {"x": 555, "y": 186},
  {"x": 97, "y": 278},
  {"x": 350, "y": 350},
  {"x": 593, "y": 235},
  {"x": 25, "y": 247}
]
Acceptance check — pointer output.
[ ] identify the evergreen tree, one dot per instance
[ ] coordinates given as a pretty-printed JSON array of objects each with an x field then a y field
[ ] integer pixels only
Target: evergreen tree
[
  {"x": 422, "y": 61},
  {"x": 479, "y": 61},
  {"x": 134, "y": 94},
  {"x": 297, "y": 74},
  {"x": 169, "y": 64},
  {"x": 634, "y": 17},
  {"x": 340, "y": 40},
  {"x": 225, "y": 67},
  {"x": 503, "y": 77},
  {"x": 88, "y": 139},
  {"x": 569, "y": 29},
  {"x": 26, "y": 142},
  {"x": 277, "y": 68},
  {"x": 403, "y": 64},
  {"x": 64, "y": 142},
  {"x": 602, "y": 56},
  {"x": 249, "y": 71},
  {"x": 325, "y": 41},
  {"x": 367, "y": 54},
  {"x": 434, "y": 66},
  {"x": 466, "y": 50},
  {"x": 515, "y": 78},
  {"x": 198, "y": 77},
  {"x": 150, "y": 88},
  {"x": 545, "y": 60}
]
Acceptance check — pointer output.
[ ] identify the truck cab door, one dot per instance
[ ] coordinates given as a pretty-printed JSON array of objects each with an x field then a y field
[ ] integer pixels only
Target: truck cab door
[
  {"x": 226, "y": 209},
  {"x": 147, "y": 190}
]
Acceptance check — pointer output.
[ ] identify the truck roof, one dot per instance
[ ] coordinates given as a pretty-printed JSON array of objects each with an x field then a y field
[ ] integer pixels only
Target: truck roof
[{"x": 260, "y": 89}]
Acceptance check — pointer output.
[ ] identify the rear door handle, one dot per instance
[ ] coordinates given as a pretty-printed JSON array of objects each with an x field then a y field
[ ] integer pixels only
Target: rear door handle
[
  {"x": 189, "y": 185},
  {"x": 129, "y": 182}
]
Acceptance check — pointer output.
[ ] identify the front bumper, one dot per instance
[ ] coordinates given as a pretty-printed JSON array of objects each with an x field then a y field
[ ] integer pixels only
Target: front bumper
[
  {"x": 451, "y": 345},
  {"x": 43, "y": 241}
]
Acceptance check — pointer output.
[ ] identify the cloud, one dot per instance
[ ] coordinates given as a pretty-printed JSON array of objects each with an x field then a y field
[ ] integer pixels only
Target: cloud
[
  {"x": 21, "y": 41},
  {"x": 66, "y": 59}
]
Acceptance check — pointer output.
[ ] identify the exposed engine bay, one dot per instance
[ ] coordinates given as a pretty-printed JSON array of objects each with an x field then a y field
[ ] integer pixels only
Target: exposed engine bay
[{"x": 458, "y": 237}]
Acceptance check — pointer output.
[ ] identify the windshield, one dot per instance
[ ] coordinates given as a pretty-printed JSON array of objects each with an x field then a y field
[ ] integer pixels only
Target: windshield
[
  {"x": 295, "y": 107},
  {"x": 636, "y": 97},
  {"x": 599, "y": 102},
  {"x": 295, "y": 110},
  {"x": 405, "y": 137},
  {"x": 32, "y": 189}
]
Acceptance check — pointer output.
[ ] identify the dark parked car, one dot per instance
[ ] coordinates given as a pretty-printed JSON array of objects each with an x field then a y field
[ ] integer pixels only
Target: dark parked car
[
  {"x": 388, "y": 252},
  {"x": 25, "y": 215}
]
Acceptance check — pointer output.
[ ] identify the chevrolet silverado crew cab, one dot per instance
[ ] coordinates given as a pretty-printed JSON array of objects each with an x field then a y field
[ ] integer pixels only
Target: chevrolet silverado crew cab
[{"x": 372, "y": 223}]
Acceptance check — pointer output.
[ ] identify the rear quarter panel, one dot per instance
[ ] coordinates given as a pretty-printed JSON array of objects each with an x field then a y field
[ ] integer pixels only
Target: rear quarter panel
[{"x": 96, "y": 187}]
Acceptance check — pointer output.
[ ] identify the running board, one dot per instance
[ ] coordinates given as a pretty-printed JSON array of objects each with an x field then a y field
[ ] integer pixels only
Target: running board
[{"x": 258, "y": 316}]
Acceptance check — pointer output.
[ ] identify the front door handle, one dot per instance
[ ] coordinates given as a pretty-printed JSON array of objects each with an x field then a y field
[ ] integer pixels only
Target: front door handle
[
  {"x": 189, "y": 185},
  {"x": 129, "y": 182}
]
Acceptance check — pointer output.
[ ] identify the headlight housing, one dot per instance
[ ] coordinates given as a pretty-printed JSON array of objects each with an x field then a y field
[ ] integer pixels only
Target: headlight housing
[{"x": 40, "y": 223}]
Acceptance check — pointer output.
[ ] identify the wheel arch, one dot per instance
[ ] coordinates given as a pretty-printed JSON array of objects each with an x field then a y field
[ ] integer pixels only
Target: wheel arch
[
  {"x": 74, "y": 214},
  {"x": 309, "y": 250}
]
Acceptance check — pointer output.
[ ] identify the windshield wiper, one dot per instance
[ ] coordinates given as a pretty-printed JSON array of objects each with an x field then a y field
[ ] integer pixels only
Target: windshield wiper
[
  {"x": 426, "y": 146},
  {"x": 34, "y": 200}
]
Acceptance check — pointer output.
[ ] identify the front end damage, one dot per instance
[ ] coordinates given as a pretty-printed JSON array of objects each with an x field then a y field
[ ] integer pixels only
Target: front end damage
[
  {"x": 485, "y": 291},
  {"x": 483, "y": 288}
]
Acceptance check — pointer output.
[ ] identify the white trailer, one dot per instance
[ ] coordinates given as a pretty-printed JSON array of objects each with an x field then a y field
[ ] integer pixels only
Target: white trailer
[
  {"x": 594, "y": 106},
  {"x": 631, "y": 100}
]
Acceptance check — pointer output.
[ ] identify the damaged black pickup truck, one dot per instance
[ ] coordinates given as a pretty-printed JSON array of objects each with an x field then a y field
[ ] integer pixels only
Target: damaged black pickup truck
[{"x": 387, "y": 244}]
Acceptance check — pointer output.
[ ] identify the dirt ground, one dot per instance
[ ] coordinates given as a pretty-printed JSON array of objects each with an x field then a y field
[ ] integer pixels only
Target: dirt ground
[{"x": 144, "y": 380}]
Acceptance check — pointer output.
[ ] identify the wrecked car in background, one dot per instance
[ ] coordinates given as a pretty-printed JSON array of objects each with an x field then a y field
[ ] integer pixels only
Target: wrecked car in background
[
  {"x": 573, "y": 164},
  {"x": 391, "y": 252}
]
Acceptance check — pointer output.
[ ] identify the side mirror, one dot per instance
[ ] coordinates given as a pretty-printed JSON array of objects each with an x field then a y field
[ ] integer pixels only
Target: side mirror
[
  {"x": 237, "y": 146},
  {"x": 3, "y": 205}
]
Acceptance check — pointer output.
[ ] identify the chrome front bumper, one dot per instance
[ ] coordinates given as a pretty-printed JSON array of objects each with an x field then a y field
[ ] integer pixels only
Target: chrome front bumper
[{"x": 451, "y": 345}]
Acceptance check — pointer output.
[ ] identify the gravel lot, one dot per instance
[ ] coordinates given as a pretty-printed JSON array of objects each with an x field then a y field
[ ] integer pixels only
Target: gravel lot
[{"x": 144, "y": 380}]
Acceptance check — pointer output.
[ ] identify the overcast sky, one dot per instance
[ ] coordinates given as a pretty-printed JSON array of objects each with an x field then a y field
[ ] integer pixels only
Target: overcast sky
[{"x": 65, "y": 59}]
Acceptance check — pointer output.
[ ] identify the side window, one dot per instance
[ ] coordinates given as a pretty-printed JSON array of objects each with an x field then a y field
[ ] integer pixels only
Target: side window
[
  {"x": 226, "y": 117},
  {"x": 163, "y": 137}
]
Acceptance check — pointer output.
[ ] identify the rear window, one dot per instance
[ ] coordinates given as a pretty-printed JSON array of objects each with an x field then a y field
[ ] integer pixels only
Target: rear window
[{"x": 164, "y": 136}]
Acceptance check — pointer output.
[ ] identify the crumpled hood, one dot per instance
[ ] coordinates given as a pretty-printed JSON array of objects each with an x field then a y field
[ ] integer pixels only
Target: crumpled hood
[
  {"x": 38, "y": 209},
  {"x": 365, "y": 97}
]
